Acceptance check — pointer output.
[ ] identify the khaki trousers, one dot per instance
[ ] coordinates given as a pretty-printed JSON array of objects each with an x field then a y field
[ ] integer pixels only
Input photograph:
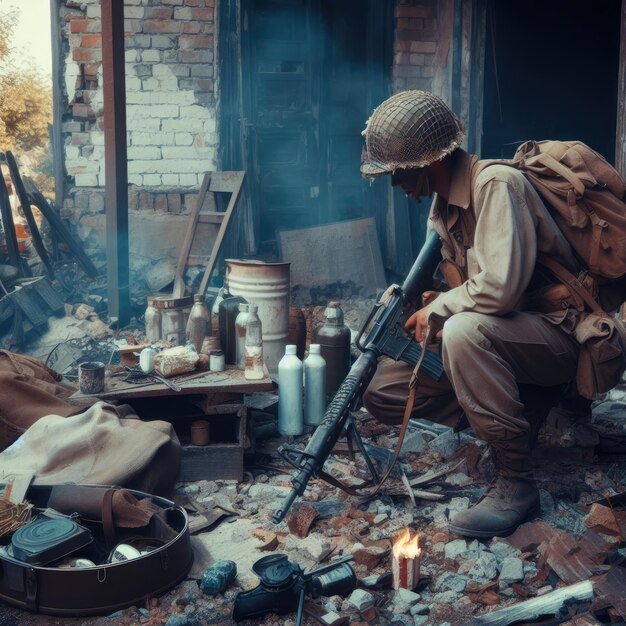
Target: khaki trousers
[{"x": 502, "y": 373}]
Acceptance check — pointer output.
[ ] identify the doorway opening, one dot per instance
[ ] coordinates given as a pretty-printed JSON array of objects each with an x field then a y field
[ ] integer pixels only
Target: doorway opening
[{"x": 551, "y": 72}]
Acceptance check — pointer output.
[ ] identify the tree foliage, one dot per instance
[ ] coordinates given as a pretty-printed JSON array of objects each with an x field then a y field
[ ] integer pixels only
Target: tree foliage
[{"x": 25, "y": 97}]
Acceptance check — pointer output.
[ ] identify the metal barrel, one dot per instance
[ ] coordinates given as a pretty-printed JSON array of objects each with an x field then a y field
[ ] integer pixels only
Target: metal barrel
[{"x": 267, "y": 286}]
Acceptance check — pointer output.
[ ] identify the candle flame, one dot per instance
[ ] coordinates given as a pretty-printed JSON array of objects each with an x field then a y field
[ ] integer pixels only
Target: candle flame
[{"x": 406, "y": 547}]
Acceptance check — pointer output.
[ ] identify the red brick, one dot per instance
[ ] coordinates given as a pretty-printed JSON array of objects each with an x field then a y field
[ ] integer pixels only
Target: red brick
[
  {"x": 202, "y": 15},
  {"x": 416, "y": 59},
  {"x": 194, "y": 3},
  {"x": 161, "y": 26},
  {"x": 204, "y": 84},
  {"x": 428, "y": 72},
  {"x": 160, "y": 203},
  {"x": 407, "y": 71},
  {"x": 530, "y": 536},
  {"x": 87, "y": 55},
  {"x": 302, "y": 519},
  {"x": 191, "y": 28},
  {"x": 89, "y": 40},
  {"x": 195, "y": 42},
  {"x": 413, "y": 11},
  {"x": 423, "y": 46},
  {"x": 402, "y": 45},
  {"x": 146, "y": 201},
  {"x": 80, "y": 139},
  {"x": 82, "y": 111},
  {"x": 604, "y": 520},
  {"x": 79, "y": 25},
  {"x": 410, "y": 24}
]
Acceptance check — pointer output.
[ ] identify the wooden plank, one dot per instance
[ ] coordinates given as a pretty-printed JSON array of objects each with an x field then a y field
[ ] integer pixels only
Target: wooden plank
[
  {"x": 115, "y": 160},
  {"x": 231, "y": 380},
  {"x": 179, "y": 283},
  {"x": 337, "y": 252},
  {"x": 211, "y": 217},
  {"x": 235, "y": 180},
  {"x": 530, "y": 610},
  {"x": 58, "y": 105}
]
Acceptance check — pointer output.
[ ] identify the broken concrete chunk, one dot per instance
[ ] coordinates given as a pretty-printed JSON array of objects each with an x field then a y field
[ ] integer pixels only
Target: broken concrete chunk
[
  {"x": 485, "y": 566},
  {"x": 455, "y": 548},
  {"x": 361, "y": 599},
  {"x": 512, "y": 571}
]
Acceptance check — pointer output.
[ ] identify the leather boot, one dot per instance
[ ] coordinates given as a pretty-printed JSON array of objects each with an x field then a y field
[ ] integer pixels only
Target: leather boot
[{"x": 507, "y": 503}]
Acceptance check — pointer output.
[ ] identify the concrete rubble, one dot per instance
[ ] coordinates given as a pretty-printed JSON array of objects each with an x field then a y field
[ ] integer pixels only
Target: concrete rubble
[{"x": 581, "y": 535}]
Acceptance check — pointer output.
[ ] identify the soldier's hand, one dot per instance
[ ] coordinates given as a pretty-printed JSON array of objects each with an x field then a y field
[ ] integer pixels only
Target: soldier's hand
[{"x": 418, "y": 323}]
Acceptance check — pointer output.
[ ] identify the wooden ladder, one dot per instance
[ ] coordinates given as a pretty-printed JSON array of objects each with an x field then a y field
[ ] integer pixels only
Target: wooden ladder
[{"x": 213, "y": 182}]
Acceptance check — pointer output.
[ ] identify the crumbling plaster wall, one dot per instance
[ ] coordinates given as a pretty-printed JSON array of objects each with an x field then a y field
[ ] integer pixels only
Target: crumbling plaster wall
[{"x": 171, "y": 116}]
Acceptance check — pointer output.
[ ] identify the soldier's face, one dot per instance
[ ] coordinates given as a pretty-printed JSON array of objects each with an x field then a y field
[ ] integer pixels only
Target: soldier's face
[{"x": 415, "y": 182}]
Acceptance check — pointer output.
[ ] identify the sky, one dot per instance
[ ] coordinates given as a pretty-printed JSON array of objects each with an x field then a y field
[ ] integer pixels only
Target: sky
[{"x": 32, "y": 35}]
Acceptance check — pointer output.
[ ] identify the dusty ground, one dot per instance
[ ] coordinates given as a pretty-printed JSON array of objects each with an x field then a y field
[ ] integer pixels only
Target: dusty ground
[{"x": 459, "y": 578}]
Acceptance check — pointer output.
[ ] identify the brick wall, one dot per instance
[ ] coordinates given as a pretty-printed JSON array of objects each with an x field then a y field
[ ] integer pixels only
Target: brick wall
[
  {"x": 422, "y": 46},
  {"x": 171, "y": 111}
]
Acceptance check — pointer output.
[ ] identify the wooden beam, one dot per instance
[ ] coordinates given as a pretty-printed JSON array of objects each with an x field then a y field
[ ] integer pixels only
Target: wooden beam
[
  {"x": 530, "y": 610},
  {"x": 115, "y": 158},
  {"x": 57, "y": 105},
  {"x": 620, "y": 139}
]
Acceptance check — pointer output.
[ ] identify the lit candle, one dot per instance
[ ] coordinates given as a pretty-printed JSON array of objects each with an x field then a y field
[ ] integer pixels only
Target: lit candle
[{"x": 406, "y": 561}]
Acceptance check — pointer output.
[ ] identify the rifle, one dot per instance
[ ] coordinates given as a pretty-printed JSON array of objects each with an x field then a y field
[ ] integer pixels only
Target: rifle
[{"x": 385, "y": 335}]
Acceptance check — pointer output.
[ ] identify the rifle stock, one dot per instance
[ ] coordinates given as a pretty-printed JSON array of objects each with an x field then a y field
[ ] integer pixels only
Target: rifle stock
[{"x": 382, "y": 334}]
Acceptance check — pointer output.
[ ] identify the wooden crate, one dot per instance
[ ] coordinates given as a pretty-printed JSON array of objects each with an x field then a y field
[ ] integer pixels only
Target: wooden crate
[{"x": 222, "y": 458}]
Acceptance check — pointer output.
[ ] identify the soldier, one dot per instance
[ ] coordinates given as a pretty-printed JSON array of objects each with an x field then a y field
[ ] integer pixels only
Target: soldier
[{"x": 507, "y": 351}]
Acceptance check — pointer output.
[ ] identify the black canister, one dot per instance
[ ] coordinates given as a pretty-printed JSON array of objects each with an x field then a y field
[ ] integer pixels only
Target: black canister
[
  {"x": 228, "y": 311},
  {"x": 334, "y": 339}
]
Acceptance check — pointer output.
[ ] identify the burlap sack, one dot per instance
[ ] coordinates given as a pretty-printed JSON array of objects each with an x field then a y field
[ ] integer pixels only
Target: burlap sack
[
  {"x": 29, "y": 390},
  {"x": 98, "y": 446}
]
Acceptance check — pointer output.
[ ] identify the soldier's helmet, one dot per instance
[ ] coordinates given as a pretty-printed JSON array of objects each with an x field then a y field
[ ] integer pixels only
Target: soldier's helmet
[{"x": 409, "y": 130}]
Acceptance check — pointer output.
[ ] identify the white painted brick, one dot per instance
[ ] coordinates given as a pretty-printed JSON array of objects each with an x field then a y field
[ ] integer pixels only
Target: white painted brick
[
  {"x": 180, "y": 152},
  {"x": 170, "y": 180},
  {"x": 72, "y": 153},
  {"x": 102, "y": 178},
  {"x": 134, "y": 13},
  {"x": 135, "y": 179},
  {"x": 132, "y": 83},
  {"x": 143, "y": 167},
  {"x": 152, "y": 180},
  {"x": 150, "y": 84},
  {"x": 145, "y": 124},
  {"x": 152, "y": 139},
  {"x": 144, "y": 153},
  {"x": 194, "y": 111},
  {"x": 131, "y": 56},
  {"x": 96, "y": 137},
  {"x": 150, "y": 56},
  {"x": 188, "y": 180},
  {"x": 86, "y": 180},
  {"x": 182, "y": 125},
  {"x": 183, "y": 139},
  {"x": 82, "y": 166},
  {"x": 93, "y": 12},
  {"x": 163, "y": 73},
  {"x": 163, "y": 111},
  {"x": 210, "y": 123},
  {"x": 181, "y": 166},
  {"x": 158, "y": 97}
]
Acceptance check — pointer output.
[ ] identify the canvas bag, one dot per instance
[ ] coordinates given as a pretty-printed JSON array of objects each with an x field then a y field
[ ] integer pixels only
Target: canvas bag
[{"x": 586, "y": 197}]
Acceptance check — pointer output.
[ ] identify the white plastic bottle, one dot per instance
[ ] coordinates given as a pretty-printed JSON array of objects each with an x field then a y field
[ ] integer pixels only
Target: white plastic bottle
[
  {"x": 290, "y": 369},
  {"x": 314, "y": 386}
]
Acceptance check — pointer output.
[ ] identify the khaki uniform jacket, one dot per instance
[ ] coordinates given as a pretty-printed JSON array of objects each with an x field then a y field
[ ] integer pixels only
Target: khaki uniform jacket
[{"x": 494, "y": 239}]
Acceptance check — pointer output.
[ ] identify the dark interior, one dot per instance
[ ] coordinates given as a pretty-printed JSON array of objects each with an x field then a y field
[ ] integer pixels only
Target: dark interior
[{"x": 554, "y": 76}]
